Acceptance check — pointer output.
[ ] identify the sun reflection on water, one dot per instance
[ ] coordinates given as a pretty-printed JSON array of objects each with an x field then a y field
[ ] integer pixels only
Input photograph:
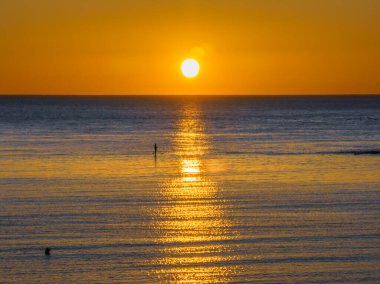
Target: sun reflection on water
[{"x": 192, "y": 224}]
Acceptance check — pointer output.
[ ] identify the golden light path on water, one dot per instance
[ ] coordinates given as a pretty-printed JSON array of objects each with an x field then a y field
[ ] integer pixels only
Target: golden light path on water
[{"x": 193, "y": 225}]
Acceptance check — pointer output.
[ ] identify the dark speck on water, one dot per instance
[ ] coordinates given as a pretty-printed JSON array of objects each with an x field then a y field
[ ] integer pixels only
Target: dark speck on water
[{"x": 47, "y": 251}]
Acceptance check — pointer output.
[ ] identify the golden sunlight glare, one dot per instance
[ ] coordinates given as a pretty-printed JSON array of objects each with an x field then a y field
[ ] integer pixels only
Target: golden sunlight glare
[{"x": 190, "y": 68}]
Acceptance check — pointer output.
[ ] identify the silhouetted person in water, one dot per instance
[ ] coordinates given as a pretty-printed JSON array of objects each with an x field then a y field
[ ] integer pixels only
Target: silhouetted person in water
[
  {"x": 155, "y": 150},
  {"x": 47, "y": 251}
]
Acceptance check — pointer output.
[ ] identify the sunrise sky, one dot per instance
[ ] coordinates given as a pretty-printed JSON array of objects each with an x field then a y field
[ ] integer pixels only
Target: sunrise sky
[{"x": 137, "y": 46}]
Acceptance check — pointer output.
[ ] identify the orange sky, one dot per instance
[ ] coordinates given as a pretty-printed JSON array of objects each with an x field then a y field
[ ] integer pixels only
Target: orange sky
[{"x": 136, "y": 46}]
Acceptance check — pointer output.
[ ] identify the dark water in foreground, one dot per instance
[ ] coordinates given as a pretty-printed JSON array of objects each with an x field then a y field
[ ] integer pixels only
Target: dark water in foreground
[{"x": 243, "y": 189}]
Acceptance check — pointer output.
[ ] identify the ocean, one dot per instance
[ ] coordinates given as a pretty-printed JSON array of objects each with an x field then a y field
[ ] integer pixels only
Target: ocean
[{"x": 242, "y": 189}]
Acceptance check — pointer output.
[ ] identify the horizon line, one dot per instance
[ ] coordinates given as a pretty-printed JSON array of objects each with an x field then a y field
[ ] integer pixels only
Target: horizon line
[{"x": 172, "y": 95}]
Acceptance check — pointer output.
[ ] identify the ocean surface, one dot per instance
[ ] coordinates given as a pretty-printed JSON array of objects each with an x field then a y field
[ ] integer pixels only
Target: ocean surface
[{"x": 241, "y": 190}]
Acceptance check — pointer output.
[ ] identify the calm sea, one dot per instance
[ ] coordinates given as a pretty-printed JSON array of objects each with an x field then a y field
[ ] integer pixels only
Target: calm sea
[{"x": 241, "y": 190}]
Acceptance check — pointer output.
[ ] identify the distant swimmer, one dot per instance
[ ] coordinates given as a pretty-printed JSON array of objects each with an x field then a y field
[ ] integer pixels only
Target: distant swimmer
[
  {"x": 47, "y": 251},
  {"x": 155, "y": 149}
]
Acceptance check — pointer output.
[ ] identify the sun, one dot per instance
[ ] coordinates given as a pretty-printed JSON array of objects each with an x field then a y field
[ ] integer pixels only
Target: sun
[{"x": 190, "y": 68}]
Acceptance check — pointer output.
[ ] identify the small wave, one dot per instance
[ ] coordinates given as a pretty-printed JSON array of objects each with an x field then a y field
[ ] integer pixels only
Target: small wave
[
  {"x": 347, "y": 152},
  {"x": 356, "y": 152},
  {"x": 373, "y": 152}
]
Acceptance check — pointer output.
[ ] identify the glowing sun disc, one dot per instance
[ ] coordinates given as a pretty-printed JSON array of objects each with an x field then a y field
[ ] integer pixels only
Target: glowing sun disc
[{"x": 190, "y": 68}]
